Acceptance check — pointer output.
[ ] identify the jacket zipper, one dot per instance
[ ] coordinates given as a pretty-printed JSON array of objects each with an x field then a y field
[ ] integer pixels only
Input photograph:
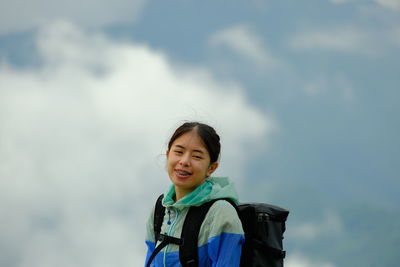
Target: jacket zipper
[{"x": 170, "y": 230}]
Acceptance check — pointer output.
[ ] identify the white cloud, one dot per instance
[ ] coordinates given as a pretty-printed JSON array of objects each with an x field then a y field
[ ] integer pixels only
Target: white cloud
[
  {"x": 342, "y": 39},
  {"x": 330, "y": 224},
  {"x": 246, "y": 44},
  {"x": 81, "y": 145},
  {"x": 299, "y": 260},
  {"x": 19, "y": 15}
]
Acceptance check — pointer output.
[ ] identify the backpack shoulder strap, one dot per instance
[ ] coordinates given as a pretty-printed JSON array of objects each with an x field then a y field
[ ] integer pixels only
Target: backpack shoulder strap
[
  {"x": 159, "y": 212},
  {"x": 190, "y": 233}
]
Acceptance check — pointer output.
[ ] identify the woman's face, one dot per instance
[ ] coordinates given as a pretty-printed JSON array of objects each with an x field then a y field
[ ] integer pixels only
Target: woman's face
[{"x": 188, "y": 163}]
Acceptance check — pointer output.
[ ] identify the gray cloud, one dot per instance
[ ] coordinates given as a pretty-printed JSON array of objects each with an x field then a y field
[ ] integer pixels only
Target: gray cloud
[
  {"x": 337, "y": 85},
  {"x": 246, "y": 44},
  {"x": 296, "y": 259},
  {"x": 391, "y": 4},
  {"x": 341, "y": 39},
  {"x": 19, "y": 15},
  {"x": 330, "y": 224}
]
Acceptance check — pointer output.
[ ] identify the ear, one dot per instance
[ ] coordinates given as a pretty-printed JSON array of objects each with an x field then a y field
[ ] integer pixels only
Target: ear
[{"x": 212, "y": 168}]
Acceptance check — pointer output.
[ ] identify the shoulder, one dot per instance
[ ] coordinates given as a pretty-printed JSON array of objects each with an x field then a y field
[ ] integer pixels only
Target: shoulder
[
  {"x": 150, "y": 226},
  {"x": 224, "y": 206},
  {"x": 222, "y": 218},
  {"x": 223, "y": 213}
]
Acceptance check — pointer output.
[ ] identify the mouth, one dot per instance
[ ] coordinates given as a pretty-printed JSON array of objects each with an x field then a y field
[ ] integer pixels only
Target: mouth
[{"x": 182, "y": 173}]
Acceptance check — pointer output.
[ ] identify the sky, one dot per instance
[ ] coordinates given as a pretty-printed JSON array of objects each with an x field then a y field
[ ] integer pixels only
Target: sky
[{"x": 303, "y": 94}]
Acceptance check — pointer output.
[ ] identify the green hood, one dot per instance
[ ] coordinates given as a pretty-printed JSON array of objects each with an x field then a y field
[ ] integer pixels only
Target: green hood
[{"x": 212, "y": 188}]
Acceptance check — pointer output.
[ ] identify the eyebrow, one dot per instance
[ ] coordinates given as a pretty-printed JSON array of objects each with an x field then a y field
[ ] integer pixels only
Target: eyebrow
[{"x": 194, "y": 150}]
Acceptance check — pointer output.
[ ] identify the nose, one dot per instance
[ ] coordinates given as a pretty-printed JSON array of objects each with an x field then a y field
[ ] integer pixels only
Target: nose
[{"x": 185, "y": 160}]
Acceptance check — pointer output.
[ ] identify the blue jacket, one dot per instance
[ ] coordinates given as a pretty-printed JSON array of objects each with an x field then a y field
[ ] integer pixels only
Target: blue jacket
[{"x": 221, "y": 233}]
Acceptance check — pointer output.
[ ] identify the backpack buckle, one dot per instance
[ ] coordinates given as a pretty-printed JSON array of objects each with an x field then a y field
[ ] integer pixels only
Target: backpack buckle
[
  {"x": 161, "y": 237},
  {"x": 170, "y": 239}
]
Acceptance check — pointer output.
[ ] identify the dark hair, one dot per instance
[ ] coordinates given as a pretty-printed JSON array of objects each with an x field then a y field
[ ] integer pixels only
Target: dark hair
[{"x": 207, "y": 134}]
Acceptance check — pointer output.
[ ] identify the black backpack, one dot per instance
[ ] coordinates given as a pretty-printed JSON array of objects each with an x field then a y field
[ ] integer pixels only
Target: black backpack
[{"x": 263, "y": 225}]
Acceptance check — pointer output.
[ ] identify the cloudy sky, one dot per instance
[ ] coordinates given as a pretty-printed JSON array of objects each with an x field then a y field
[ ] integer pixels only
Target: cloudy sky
[{"x": 304, "y": 95}]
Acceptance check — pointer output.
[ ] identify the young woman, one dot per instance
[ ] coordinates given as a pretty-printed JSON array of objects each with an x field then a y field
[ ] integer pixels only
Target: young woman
[{"x": 192, "y": 156}]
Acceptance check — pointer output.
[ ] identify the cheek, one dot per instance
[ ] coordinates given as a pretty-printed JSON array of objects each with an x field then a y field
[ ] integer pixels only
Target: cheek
[
  {"x": 203, "y": 168},
  {"x": 172, "y": 162},
  {"x": 168, "y": 163}
]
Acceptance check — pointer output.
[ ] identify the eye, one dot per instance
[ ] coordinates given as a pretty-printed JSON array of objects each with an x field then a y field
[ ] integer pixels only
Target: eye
[
  {"x": 178, "y": 152},
  {"x": 197, "y": 157}
]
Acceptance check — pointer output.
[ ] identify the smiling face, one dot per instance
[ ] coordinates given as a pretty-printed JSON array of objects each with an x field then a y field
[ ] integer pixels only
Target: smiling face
[{"x": 188, "y": 163}]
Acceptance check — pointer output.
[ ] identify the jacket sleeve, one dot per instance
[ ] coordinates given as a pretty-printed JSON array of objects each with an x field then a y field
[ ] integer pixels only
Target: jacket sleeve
[
  {"x": 150, "y": 240},
  {"x": 224, "y": 233}
]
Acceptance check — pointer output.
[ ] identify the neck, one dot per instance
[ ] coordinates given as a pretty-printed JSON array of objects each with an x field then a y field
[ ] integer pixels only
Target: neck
[{"x": 180, "y": 193}]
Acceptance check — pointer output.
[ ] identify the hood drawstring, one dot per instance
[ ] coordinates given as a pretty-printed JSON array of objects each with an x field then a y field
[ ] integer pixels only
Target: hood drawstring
[{"x": 169, "y": 217}]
